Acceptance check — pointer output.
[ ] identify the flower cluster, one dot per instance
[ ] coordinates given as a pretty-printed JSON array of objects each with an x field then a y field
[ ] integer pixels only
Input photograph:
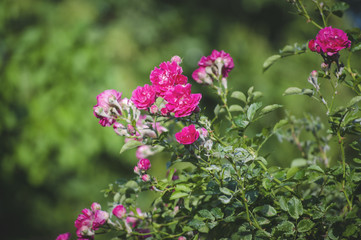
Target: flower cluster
[
  {"x": 217, "y": 66},
  {"x": 329, "y": 41},
  {"x": 169, "y": 83},
  {"x": 90, "y": 220},
  {"x": 141, "y": 168}
]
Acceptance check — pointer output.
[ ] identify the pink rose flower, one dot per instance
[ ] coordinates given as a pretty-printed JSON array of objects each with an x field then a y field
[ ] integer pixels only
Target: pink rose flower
[
  {"x": 182, "y": 238},
  {"x": 146, "y": 178},
  {"x": 187, "y": 135},
  {"x": 144, "y": 164},
  {"x": 119, "y": 211},
  {"x": 143, "y": 97},
  {"x": 107, "y": 108},
  {"x": 220, "y": 60},
  {"x": 64, "y": 236},
  {"x": 90, "y": 220},
  {"x": 166, "y": 76},
  {"x": 329, "y": 41},
  {"x": 201, "y": 76},
  {"x": 181, "y": 101},
  {"x": 100, "y": 218}
]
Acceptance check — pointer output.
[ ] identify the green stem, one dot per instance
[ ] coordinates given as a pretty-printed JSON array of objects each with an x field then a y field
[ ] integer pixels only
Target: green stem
[
  {"x": 340, "y": 140},
  {"x": 305, "y": 14}
]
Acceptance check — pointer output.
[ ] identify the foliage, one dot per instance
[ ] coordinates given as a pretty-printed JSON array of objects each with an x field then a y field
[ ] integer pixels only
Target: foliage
[{"x": 220, "y": 186}]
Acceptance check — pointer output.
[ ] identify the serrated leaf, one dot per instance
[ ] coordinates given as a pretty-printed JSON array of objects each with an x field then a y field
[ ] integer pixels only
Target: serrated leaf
[
  {"x": 266, "y": 210},
  {"x": 217, "y": 109},
  {"x": 292, "y": 91},
  {"x": 176, "y": 195},
  {"x": 280, "y": 124},
  {"x": 356, "y": 160},
  {"x": 253, "y": 109},
  {"x": 315, "y": 168},
  {"x": 287, "y": 49},
  {"x": 270, "y": 108},
  {"x": 204, "y": 213},
  {"x": 291, "y": 172},
  {"x": 130, "y": 145},
  {"x": 224, "y": 199},
  {"x": 217, "y": 213},
  {"x": 283, "y": 204},
  {"x": 226, "y": 191},
  {"x": 305, "y": 225},
  {"x": 251, "y": 196},
  {"x": 196, "y": 223},
  {"x": 286, "y": 227},
  {"x": 339, "y": 8},
  {"x": 295, "y": 208},
  {"x": 353, "y": 101},
  {"x": 269, "y": 61},
  {"x": 182, "y": 188},
  {"x": 235, "y": 108},
  {"x": 239, "y": 95},
  {"x": 212, "y": 225}
]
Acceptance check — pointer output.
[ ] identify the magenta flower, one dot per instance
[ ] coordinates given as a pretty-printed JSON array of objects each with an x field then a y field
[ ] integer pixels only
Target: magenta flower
[
  {"x": 181, "y": 101},
  {"x": 187, "y": 135},
  {"x": 107, "y": 108},
  {"x": 222, "y": 60},
  {"x": 329, "y": 41},
  {"x": 166, "y": 76},
  {"x": 144, "y": 164},
  {"x": 119, "y": 211},
  {"x": 182, "y": 238},
  {"x": 64, "y": 236},
  {"x": 143, "y": 97},
  {"x": 90, "y": 220}
]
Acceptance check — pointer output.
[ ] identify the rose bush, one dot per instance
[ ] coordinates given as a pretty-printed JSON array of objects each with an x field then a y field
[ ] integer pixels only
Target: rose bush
[{"x": 224, "y": 188}]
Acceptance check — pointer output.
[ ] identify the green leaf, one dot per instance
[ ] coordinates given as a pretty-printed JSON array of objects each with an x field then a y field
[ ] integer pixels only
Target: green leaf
[
  {"x": 239, "y": 95},
  {"x": 292, "y": 91},
  {"x": 217, "y": 110},
  {"x": 211, "y": 225},
  {"x": 253, "y": 109},
  {"x": 298, "y": 91},
  {"x": 295, "y": 208},
  {"x": 356, "y": 160},
  {"x": 235, "y": 108},
  {"x": 224, "y": 199},
  {"x": 291, "y": 172},
  {"x": 176, "y": 195},
  {"x": 251, "y": 196},
  {"x": 270, "y": 108},
  {"x": 226, "y": 191},
  {"x": 338, "y": 8},
  {"x": 283, "y": 204},
  {"x": 130, "y": 145},
  {"x": 315, "y": 168},
  {"x": 356, "y": 47},
  {"x": 299, "y": 162},
  {"x": 280, "y": 124},
  {"x": 350, "y": 230},
  {"x": 305, "y": 225},
  {"x": 182, "y": 188},
  {"x": 269, "y": 61},
  {"x": 266, "y": 210},
  {"x": 204, "y": 213},
  {"x": 286, "y": 227},
  {"x": 353, "y": 101},
  {"x": 217, "y": 213},
  {"x": 196, "y": 223}
]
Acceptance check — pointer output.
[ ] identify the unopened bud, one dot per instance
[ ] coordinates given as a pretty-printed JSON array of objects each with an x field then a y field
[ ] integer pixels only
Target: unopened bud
[
  {"x": 95, "y": 206},
  {"x": 325, "y": 67},
  {"x": 154, "y": 109},
  {"x": 146, "y": 178},
  {"x": 136, "y": 170},
  {"x": 131, "y": 129},
  {"x": 176, "y": 59}
]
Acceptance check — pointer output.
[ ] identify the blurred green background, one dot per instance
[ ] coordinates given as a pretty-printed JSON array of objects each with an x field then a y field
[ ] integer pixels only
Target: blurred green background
[{"x": 56, "y": 56}]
